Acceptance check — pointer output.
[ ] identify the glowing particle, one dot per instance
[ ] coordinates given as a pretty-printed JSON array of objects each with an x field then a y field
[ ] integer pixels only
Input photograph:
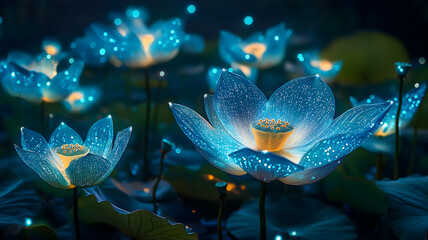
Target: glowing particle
[
  {"x": 28, "y": 222},
  {"x": 191, "y": 9},
  {"x": 161, "y": 73},
  {"x": 248, "y": 20},
  {"x": 117, "y": 21},
  {"x": 102, "y": 51}
]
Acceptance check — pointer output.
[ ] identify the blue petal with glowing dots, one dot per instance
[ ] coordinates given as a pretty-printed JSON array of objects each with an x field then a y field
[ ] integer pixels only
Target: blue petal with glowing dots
[
  {"x": 411, "y": 102},
  {"x": 88, "y": 48},
  {"x": 214, "y": 72},
  {"x": 291, "y": 217},
  {"x": 276, "y": 40},
  {"x": 64, "y": 134},
  {"x": 193, "y": 43},
  {"x": 43, "y": 167},
  {"x": 18, "y": 201},
  {"x": 238, "y": 103},
  {"x": 82, "y": 99},
  {"x": 115, "y": 154},
  {"x": 168, "y": 37},
  {"x": 313, "y": 65},
  {"x": 407, "y": 206},
  {"x": 100, "y": 137},
  {"x": 64, "y": 82},
  {"x": 212, "y": 145},
  {"x": 34, "y": 142},
  {"x": 19, "y": 82},
  {"x": 88, "y": 170},
  {"x": 263, "y": 165},
  {"x": 307, "y": 103},
  {"x": 230, "y": 51}
]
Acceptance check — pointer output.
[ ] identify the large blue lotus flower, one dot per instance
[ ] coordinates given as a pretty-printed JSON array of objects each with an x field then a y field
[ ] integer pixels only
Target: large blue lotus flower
[
  {"x": 407, "y": 206},
  {"x": 66, "y": 161},
  {"x": 214, "y": 72},
  {"x": 383, "y": 140},
  {"x": 313, "y": 65},
  {"x": 260, "y": 51},
  {"x": 39, "y": 79},
  {"x": 297, "y": 140},
  {"x": 134, "y": 44}
]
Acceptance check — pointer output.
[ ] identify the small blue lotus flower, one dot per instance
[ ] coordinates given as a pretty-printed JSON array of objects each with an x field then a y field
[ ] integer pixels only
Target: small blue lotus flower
[
  {"x": 66, "y": 161},
  {"x": 82, "y": 99},
  {"x": 134, "y": 44},
  {"x": 193, "y": 43},
  {"x": 214, "y": 72},
  {"x": 313, "y": 65},
  {"x": 291, "y": 137},
  {"x": 382, "y": 141},
  {"x": 39, "y": 79},
  {"x": 260, "y": 51},
  {"x": 402, "y": 68}
]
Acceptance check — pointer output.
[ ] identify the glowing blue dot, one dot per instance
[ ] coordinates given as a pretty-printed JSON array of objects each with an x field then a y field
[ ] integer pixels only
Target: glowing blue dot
[
  {"x": 215, "y": 70},
  {"x": 278, "y": 237},
  {"x": 161, "y": 73},
  {"x": 90, "y": 98},
  {"x": 135, "y": 13},
  {"x": 276, "y": 38},
  {"x": 247, "y": 56},
  {"x": 230, "y": 69},
  {"x": 28, "y": 222},
  {"x": 71, "y": 60},
  {"x": 178, "y": 150},
  {"x": 117, "y": 21},
  {"x": 102, "y": 51},
  {"x": 300, "y": 57},
  {"x": 191, "y": 9},
  {"x": 293, "y": 233},
  {"x": 248, "y": 20}
]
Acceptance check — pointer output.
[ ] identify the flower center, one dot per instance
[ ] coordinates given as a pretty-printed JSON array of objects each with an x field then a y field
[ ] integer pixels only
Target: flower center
[
  {"x": 324, "y": 65},
  {"x": 69, "y": 152},
  {"x": 256, "y": 49},
  {"x": 271, "y": 135}
]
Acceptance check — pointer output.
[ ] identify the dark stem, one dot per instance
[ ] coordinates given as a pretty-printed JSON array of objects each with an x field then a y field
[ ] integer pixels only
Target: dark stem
[
  {"x": 397, "y": 130},
  {"x": 76, "y": 213},
  {"x": 156, "y": 109},
  {"x": 146, "y": 163},
  {"x": 155, "y": 187},
  {"x": 379, "y": 167},
  {"x": 42, "y": 117},
  {"x": 262, "y": 213},
  {"x": 220, "y": 216}
]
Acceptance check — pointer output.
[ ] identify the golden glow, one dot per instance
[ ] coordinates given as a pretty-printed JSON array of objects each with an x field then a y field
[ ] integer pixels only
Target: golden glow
[
  {"x": 245, "y": 69},
  {"x": 51, "y": 49},
  {"x": 230, "y": 186},
  {"x": 69, "y": 152},
  {"x": 256, "y": 49},
  {"x": 146, "y": 41},
  {"x": 271, "y": 135},
  {"x": 146, "y": 190},
  {"x": 323, "y": 65},
  {"x": 74, "y": 96},
  {"x": 210, "y": 177}
]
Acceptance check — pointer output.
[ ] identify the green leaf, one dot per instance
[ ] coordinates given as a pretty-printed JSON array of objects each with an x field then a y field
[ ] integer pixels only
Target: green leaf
[
  {"x": 41, "y": 232},
  {"x": 140, "y": 224}
]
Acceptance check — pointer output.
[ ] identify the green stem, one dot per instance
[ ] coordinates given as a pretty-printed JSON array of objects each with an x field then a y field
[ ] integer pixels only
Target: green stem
[
  {"x": 379, "y": 166},
  {"x": 397, "y": 130},
  {"x": 220, "y": 217},
  {"x": 262, "y": 213},
  {"x": 146, "y": 163},
  {"x": 76, "y": 213},
  {"x": 155, "y": 187}
]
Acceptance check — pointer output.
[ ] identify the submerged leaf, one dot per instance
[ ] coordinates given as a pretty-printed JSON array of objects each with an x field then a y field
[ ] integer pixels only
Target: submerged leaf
[
  {"x": 138, "y": 224},
  {"x": 292, "y": 217}
]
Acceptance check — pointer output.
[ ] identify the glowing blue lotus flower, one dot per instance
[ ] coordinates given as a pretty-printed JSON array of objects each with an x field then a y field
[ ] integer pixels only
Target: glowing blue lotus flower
[
  {"x": 38, "y": 79},
  {"x": 134, "y": 44},
  {"x": 82, "y": 99},
  {"x": 66, "y": 161},
  {"x": 90, "y": 48},
  {"x": 213, "y": 74},
  {"x": 297, "y": 140},
  {"x": 313, "y": 65},
  {"x": 193, "y": 43},
  {"x": 382, "y": 141},
  {"x": 260, "y": 51}
]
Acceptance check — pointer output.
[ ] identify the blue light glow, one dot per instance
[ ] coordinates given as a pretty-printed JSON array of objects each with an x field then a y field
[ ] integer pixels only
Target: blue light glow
[
  {"x": 248, "y": 20},
  {"x": 191, "y": 9},
  {"x": 28, "y": 222},
  {"x": 135, "y": 13},
  {"x": 117, "y": 21},
  {"x": 102, "y": 51},
  {"x": 300, "y": 57},
  {"x": 293, "y": 233}
]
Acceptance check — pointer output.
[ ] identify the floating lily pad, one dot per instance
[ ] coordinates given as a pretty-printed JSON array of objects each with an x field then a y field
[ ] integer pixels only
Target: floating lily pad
[
  {"x": 291, "y": 217},
  {"x": 368, "y": 57},
  {"x": 136, "y": 224},
  {"x": 407, "y": 206},
  {"x": 41, "y": 232}
]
